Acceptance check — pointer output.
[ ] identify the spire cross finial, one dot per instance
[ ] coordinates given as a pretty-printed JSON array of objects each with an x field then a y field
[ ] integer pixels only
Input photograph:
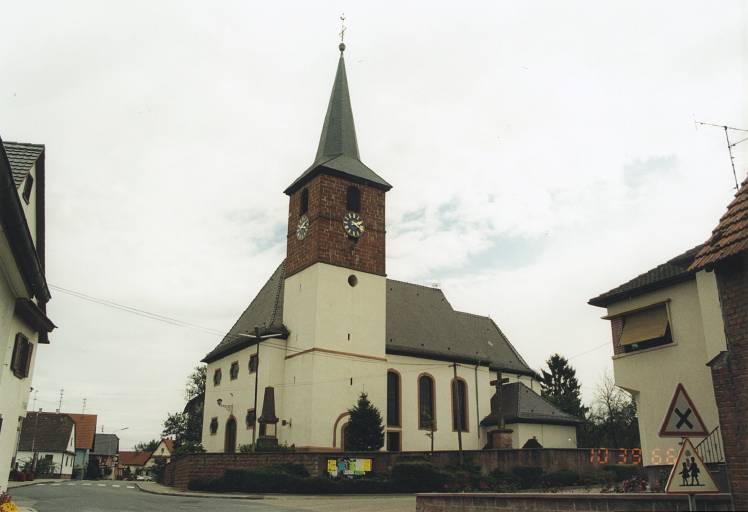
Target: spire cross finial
[{"x": 342, "y": 28}]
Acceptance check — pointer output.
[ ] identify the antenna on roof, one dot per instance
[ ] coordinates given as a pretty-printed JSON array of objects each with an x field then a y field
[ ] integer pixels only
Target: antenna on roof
[
  {"x": 84, "y": 406},
  {"x": 342, "y": 33},
  {"x": 59, "y": 407},
  {"x": 36, "y": 394},
  {"x": 730, "y": 145}
]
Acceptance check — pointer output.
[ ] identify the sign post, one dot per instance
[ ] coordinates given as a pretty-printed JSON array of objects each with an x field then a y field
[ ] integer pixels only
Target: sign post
[{"x": 689, "y": 475}]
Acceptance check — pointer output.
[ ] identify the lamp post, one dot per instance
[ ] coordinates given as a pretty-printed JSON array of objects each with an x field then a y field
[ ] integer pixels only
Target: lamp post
[{"x": 115, "y": 457}]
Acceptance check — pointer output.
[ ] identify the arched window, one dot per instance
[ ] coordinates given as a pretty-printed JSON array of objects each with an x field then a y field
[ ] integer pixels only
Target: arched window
[
  {"x": 213, "y": 426},
  {"x": 304, "y": 203},
  {"x": 353, "y": 199},
  {"x": 393, "y": 399},
  {"x": 230, "y": 440},
  {"x": 426, "y": 404},
  {"x": 217, "y": 377},
  {"x": 459, "y": 405}
]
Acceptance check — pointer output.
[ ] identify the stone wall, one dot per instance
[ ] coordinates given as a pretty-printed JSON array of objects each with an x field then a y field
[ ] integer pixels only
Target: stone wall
[
  {"x": 730, "y": 374},
  {"x": 495, "y": 502},
  {"x": 180, "y": 471}
]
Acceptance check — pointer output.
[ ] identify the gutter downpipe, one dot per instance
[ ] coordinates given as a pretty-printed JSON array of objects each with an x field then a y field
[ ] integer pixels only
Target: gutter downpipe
[{"x": 477, "y": 402}]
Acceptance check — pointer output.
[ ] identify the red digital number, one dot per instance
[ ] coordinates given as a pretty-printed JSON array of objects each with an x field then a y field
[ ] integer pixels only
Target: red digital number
[
  {"x": 605, "y": 459},
  {"x": 636, "y": 456},
  {"x": 670, "y": 456},
  {"x": 656, "y": 457},
  {"x": 622, "y": 455},
  {"x": 593, "y": 455}
]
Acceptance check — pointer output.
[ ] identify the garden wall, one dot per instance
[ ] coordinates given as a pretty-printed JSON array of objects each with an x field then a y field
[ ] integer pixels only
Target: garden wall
[
  {"x": 180, "y": 471},
  {"x": 505, "y": 502}
]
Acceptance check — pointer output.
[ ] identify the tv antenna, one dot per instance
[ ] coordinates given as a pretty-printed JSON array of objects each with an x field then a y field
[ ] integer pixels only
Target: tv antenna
[{"x": 730, "y": 145}]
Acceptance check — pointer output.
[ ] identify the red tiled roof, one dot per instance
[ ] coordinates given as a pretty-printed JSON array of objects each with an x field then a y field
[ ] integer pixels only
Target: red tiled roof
[
  {"x": 169, "y": 444},
  {"x": 730, "y": 237},
  {"x": 85, "y": 429},
  {"x": 133, "y": 458}
]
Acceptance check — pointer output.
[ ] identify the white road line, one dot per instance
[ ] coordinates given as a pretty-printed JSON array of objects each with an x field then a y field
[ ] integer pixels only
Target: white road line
[
  {"x": 40, "y": 484},
  {"x": 69, "y": 484},
  {"x": 56, "y": 485},
  {"x": 115, "y": 485},
  {"x": 101, "y": 485},
  {"x": 131, "y": 487},
  {"x": 85, "y": 484}
]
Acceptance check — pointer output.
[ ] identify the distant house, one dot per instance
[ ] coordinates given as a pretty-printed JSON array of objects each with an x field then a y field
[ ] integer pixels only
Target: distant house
[
  {"x": 133, "y": 463},
  {"x": 105, "y": 450},
  {"x": 531, "y": 417},
  {"x": 24, "y": 293},
  {"x": 85, "y": 432},
  {"x": 162, "y": 453},
  {"x": 49, "y": 437}
]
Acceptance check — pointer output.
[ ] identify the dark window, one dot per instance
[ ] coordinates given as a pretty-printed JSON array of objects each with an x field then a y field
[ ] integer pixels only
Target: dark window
[
  {"x": 20, "y": 363},
  {"x": 213, "y": 426},
  {"x": 393, "y": 399},
  {"x": 27, "y": 187},
  {"x": 459, "y": 406},
  {"x": 304, "y": 203},
  {"x": 253, "y": 360},
  {"x": 426, "y": 406},
  {"x": 393, "y": 441},
  {"x": 353, "y": 199},
  {"x": 230, "y": 439},
  {"x": 251, "y": 418},
  {"x": 217, "y": 377},
  {"x": 234, "y": 371}
]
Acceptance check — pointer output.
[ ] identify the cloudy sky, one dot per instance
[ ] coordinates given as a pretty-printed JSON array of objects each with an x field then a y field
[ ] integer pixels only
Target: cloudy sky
[{"x": 541, "y": 153}]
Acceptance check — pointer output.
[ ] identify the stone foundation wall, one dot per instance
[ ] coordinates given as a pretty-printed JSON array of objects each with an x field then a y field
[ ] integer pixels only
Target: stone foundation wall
[
  {"x": 180, "y": 471},
  {"x": 500, "y": 502}
]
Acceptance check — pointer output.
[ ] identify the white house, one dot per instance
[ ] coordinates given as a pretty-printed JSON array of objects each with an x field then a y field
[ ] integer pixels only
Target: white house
[
  {"x": 23, "y": 287},
  {"x": 329, "y": 324},
  {"x": 51, "y": 437}
]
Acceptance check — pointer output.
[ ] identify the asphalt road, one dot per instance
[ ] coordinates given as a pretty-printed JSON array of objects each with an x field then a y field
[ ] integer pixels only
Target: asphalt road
[{"x": 105, "y": 497}]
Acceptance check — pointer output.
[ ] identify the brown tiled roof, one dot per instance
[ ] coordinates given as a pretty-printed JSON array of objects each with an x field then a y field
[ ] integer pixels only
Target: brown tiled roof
[
  {"x": 134, "y": 458},
  {"x": 45, "y": 431},
  {"x": 85, "y": 430},
  {"x": 169, "y": 444},
  {"x": 521, "y": 404},
  {"x": 673, "y": 271},
  {"x": 730, "y": 237},
  {"x": 22, "y": 157}
]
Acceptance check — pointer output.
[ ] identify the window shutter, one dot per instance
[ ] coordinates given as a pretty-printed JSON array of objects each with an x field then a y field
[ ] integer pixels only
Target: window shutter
[
  {"x": 16, "y": 363},
  {"x": 644, "y": 325},
  {"x": 28, "y": 353}
]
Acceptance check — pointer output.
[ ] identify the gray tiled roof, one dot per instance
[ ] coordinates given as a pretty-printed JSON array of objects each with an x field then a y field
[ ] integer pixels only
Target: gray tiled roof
[
  {"x": 420, "y": 322},
  {"x": 523, "y": 405},
  {"x": 337, "y": 152},
  {"x": 265, "y": 311},
  {"x": 106, "y": 444},
  {"x": 22, "y": 157},
  {"x": 674, "y": 271},
  {"x": 45, "y": 431}
]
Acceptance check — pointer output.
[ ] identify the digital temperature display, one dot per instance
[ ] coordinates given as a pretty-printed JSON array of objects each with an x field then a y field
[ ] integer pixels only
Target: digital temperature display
[{"x": 657, "y": 457}]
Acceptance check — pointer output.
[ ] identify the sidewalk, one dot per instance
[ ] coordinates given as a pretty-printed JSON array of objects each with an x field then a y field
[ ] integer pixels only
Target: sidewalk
[
  {"x": 16, "y": 485},
  {"x": 155, "y": 488}
]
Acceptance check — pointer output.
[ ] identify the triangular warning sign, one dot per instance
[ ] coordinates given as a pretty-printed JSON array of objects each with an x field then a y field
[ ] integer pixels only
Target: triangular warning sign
[
  {"x": 689, "y": 474},
  {"x": 682, "y": 418}
]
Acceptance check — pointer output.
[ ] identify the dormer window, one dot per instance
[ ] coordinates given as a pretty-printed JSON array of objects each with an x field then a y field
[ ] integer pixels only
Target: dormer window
[
  {"x": 27, "y": 188},
  {"x": 304, "y": 203},
  {"x": 353, "y": 199}
]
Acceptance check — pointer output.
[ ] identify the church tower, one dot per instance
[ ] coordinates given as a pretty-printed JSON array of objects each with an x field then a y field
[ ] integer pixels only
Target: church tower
[{"x": 335, "y": 289}]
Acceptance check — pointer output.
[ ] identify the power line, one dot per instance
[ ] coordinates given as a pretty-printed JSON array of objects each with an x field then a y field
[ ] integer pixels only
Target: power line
[{"x": 598, "y": 347}]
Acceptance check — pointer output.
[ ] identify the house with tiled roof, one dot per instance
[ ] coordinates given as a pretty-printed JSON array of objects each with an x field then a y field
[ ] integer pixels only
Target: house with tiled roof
[
  {"x": 724, "y": 257},
  {"x": 24, "y": 325},
  {"x": 329, "y": 324},
  {"x": 85, "y": 432},
  {"x": 49, "y": 437}
]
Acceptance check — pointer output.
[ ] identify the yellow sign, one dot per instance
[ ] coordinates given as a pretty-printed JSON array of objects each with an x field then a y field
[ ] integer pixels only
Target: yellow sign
[
  {"x": 689, "y": 474},
  {"x": 332, "y": 466}
]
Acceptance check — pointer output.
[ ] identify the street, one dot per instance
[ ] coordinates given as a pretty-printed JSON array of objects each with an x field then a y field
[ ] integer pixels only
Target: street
[{"x": 125, "y": 497}]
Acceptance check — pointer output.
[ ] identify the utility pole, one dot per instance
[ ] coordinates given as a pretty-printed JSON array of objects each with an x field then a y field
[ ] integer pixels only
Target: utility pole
[
  {"x": 458, "y": 401},
  {"x": 257, "y": 380},
  {"x": 59, "y": 407},
  {"x": 36, "y": 395},
  {"x": 84, "y": 406}
]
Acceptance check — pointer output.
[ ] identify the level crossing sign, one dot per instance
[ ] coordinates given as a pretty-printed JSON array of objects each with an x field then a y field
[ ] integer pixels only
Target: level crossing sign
[
  {"x": 689, "y": 474},
  {"x": 682, "y": 418}
]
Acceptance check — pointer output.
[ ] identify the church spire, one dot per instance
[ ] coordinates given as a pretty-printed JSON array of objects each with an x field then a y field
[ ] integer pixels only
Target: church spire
[
  {"x": 337, "y": 152},
  {"x": 338, "y": 131}
]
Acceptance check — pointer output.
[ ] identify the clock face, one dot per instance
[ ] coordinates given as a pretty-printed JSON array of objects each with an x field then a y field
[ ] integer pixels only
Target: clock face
[
  {"x": 302, "y": 228},
  {"x": 353, "y": 224}
]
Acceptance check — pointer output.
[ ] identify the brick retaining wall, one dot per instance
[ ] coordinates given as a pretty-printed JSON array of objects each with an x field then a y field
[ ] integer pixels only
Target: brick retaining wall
[
  {"x": 180, "y": 471},
  {"x": 511, "y": 502}
]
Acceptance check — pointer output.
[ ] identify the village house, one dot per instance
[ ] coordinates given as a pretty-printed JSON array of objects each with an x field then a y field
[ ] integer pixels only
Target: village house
[
  {"x": 105, "y": 450},
  {"x": 47, "y": 443},
  {"x": 85, "y": 431},
  {"x": 23, "y": 288},
  {"x": 141, "y": 462},
  {"x": 329, "y": 324}
]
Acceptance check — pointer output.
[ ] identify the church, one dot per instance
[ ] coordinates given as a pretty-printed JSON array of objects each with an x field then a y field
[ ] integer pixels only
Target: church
[{"x": 328, "y": 325}]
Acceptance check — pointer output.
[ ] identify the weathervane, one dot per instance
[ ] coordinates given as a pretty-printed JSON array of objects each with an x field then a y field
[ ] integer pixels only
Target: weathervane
[{"x": 342, "y": 32}]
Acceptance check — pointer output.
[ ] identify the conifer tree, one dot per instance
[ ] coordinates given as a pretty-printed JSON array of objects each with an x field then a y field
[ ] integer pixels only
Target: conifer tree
[
  {"x": 365, "y": 430},
  {"x": 561, "y": 387}
]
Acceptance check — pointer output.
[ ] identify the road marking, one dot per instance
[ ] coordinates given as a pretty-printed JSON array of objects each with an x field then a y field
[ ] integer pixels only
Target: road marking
[
  {"x": 41, "y": 484},
  {"x": 86, "y": 484},
  {"x": 56, "y": 485},
  {"x": 101, "y": 485},
  {"x": 115, "y": 485},
  {"x": 131, "y": 487},
  {"x": 69, "y": 484}
]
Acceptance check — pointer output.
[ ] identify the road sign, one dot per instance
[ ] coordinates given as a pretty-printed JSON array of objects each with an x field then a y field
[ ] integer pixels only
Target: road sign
[
  {"x": 682, "y": 418},
  {"x": 689, "y": 474}
]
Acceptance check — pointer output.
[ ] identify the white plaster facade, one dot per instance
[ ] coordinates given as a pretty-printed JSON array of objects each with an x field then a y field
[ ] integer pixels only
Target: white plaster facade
[
  {"x": 652, "y": 375},
  {"x": 64, "y": 461}
]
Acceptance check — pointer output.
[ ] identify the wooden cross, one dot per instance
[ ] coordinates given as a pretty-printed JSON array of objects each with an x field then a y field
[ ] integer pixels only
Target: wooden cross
[{"x": 498, "y": 383}]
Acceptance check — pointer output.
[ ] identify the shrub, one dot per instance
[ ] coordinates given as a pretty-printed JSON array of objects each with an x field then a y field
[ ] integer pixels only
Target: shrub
[
  {"x": 246, "y": 448},
  {"x": 528, "y": 476},
  {"x": 623, "y": 472},
  {"x": 503, "y": 482},
  {"x": 561, "y": 478},
  {"x": 418, "y": 477},
  {"x": 292, "y": 468},
  {"x": 597, "y": 477}
]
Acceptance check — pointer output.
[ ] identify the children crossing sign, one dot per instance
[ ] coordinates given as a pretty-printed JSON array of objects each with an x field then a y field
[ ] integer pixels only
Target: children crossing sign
[
  {"x": 689, "y": 474},
  {"x": 682, "y": 418}
]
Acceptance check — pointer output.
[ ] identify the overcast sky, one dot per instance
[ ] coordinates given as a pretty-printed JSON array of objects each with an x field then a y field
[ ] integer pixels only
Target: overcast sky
[{"x": 541, "y": 153}]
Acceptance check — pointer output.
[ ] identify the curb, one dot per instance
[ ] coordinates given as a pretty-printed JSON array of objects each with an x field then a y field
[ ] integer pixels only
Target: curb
[{"x": 191, "y": 495}]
